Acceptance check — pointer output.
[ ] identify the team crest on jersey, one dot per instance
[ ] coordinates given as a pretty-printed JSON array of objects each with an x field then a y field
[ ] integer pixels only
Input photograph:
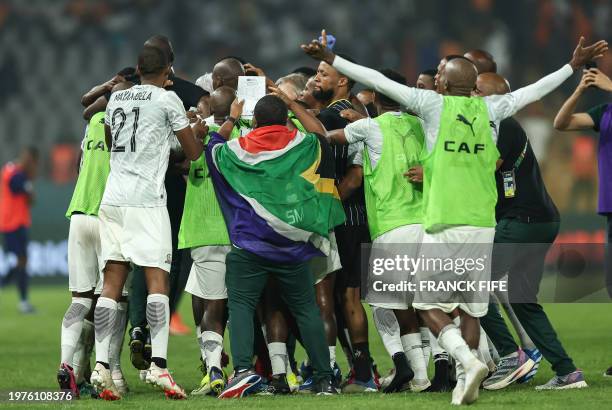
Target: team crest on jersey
[{"x": 169, "y": 258}]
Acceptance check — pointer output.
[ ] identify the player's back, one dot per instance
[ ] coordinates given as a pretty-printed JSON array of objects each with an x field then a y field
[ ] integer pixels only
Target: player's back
[{"x": 142, "y": 120}]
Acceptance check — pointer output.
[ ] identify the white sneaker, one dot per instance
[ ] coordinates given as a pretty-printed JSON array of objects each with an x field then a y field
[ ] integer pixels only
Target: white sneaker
[
  {"x": 417, "y": 386},
  {"x": 163, "y": 379},
  {"x": 120, "y": 381},
  {"x": 103, "y": 382},
  {"x": 142, "y": 375},
  {"x": 458, "y": 392},
  {"x": 475, "y": 372}
]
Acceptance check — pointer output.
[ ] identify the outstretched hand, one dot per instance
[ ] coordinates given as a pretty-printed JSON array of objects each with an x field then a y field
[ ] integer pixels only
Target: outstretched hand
[
  {"x": 583, "y": 54},
  {"x": 200, "y": 129},
  {"x": 319, "y": 50},
  {"x": 415, "y": 174}
]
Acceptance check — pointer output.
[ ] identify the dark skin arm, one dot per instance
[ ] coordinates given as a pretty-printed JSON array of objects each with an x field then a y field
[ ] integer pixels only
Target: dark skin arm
[
  {"x": 352, "y": 180},
  {"x": 191, "y": 138},
  {"x": 235, "y": 112},
  {"x": 309, "y": 121},
  {"x": 97, "y": 106},
  {"x": 108, "y": 136},
  {"x": 92, "y": 95}
]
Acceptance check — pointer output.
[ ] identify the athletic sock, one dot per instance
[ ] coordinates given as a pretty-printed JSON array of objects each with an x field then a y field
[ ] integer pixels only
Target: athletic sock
[
  {"x": 104, "y": 321},
  {"x": 388, "y": 329},
  {"x": 450, "y": 339},
  {"x": 213, "y": 346},
  {"x": 200, "y": 343},
  {"x": 116, "y": 343},
  {"x": 332, "y": 356},
  {"x": 362, "y": 363},
  {"x": 158, "y": 318},
  {"x": 82, "y": 353},
  {"x": 72, "y": 326},
  {"x": 278, "y": 357},
  {"x": 425, "y": 340},
  {"x": 483, "y": 350},
  {"x": 413, "y": 349}
]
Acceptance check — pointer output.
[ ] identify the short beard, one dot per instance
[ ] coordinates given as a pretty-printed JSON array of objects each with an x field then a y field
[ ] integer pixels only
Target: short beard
[{"x": 323, "y": 95}]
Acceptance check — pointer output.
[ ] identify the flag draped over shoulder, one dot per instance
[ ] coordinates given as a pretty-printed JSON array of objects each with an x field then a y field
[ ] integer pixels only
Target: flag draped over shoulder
[{"x": 276, "y": 189}]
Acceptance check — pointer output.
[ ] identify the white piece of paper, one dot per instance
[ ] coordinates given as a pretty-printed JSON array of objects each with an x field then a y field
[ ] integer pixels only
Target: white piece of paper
[{"x": 250, "y": 89}]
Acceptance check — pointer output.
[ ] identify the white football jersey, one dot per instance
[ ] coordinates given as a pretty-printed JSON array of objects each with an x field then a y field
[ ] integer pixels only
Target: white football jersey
[{"x": 142, "y": 120}]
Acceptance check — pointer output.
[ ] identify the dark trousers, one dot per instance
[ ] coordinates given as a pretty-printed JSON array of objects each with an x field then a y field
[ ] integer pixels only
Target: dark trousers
[
  {"x": 246, "y": 277},
  {"x": 525, "y": 268},
  {"x": 608, "y": 253}
]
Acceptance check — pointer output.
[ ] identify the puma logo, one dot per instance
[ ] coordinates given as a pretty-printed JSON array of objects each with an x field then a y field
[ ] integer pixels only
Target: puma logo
[{"x": 464, "y": 120}]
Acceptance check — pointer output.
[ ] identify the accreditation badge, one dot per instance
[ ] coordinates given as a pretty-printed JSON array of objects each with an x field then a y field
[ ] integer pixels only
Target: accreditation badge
[{"x": 509, "y": 183}]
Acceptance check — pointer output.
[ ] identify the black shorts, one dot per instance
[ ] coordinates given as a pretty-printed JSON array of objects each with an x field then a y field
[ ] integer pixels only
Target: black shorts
[
  {"x": 349, "y": 239},
  {"x": 16, "y": 242}
]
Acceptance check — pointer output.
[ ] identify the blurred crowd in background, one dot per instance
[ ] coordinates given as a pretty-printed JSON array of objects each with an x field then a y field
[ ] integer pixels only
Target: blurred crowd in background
[{"x": 54, "y": 51}]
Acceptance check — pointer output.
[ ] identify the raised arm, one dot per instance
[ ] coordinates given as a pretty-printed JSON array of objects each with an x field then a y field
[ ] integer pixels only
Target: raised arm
[
  {"x": 566, "y": 119},
  {"x": 504, "y": 106},
  {"x": 92, "y": 95},
  {"x": 414, "y": 99},
  {"x": 309, "y": 121}
]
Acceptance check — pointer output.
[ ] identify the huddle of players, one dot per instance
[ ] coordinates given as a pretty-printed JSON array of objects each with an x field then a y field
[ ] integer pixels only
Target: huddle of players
[{"x": 385, "y": 200}]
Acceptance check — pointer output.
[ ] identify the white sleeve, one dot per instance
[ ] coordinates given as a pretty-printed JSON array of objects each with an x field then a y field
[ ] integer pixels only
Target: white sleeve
[
  {"x": 107, "y": 115},
  {"x": 175, "y": 111},
  {"x": 506, "y": 105},
  {"x": 355, "y": 153},
  {"x": 358, "y": 130},
  {"x": 421, "y": 102}
]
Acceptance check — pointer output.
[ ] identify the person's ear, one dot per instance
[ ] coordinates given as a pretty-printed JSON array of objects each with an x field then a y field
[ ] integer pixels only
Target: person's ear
[
  {"x": 138, "y": 71},
  {"x": 342, "y": 82},
  {"x": 254, "y": 123}
]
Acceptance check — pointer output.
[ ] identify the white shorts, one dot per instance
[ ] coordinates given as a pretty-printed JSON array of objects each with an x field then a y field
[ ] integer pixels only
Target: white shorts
[
  {"x": 324, "y": 265},
  {"x": 85, "y": 261},
  {"x": 207, "y": 275},
  {"x": 411, "y": 236},
  {"x": 141, "y": 236},
  {"x": 460, "y": 242}
]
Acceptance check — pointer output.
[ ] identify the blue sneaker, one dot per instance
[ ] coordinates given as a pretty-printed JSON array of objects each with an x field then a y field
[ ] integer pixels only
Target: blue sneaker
[
  {"x": 242, "y": 384},
  {"x": 535, "y": 355},
  {"x": 574, "y": 380},
  {"x": 307, "y": 387},
  {"x": 357, "y": 386},
  {"x": 305, "y": 371},
  {"x": 337, "y": 377}
]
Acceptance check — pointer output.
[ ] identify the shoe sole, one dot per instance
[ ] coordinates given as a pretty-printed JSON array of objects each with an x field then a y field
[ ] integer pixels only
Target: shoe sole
[
  {"x": 217, "y": 386},
  {"x": 470, "y": 392},
  {"x": 577, "y": 385},
  {"x": 68, "y": 382},
  {"x": 512, "y": 377},
  {"x": 137, "y": 354},
  {"x": 355, "y": 388},
  {"x": 607, "y": 375},
  {"x": 532, "y": 372},
  {"x": 244, "y": 388},
  {"x": 419, "y": 388}
]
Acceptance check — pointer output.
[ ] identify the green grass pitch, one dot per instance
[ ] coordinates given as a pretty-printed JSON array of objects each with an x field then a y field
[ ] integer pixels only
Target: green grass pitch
[{"x": 29, "y": 354}]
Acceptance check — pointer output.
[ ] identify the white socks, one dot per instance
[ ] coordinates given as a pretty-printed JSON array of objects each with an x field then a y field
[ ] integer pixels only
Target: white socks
[
  {"x": 116, "y": 342},
  {"x": 72, "y": 325},
  {"x": 83, "y": 350},
  {"x": 158, "y": 318},
  {"x": 388, "y": 329},
  {"x": 413, "y": 349},
  {"x": 278, "y": 357},
  {"x": 450, "y": 340},
  {"x": 104, "y": 321},
  {"x": 425, "y": 340},
  {"x": 332, "y": 356},
  {"x": 212, "y": 345}
]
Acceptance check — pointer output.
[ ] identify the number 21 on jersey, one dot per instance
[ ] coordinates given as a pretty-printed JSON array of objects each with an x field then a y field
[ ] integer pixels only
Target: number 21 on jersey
[{"x": 120, "y": 116}]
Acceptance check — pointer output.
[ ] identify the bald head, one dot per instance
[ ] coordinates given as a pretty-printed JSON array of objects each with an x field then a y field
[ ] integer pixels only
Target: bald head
[
  {"x": 221, "y": 100},
  {"x": 226, "y": 72},
  {"x": 491, "y": 84},
  {"x": 458, "y": 77},
  {"x": 162, "y": 43},
  {"x": 482, "y": 60}
]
